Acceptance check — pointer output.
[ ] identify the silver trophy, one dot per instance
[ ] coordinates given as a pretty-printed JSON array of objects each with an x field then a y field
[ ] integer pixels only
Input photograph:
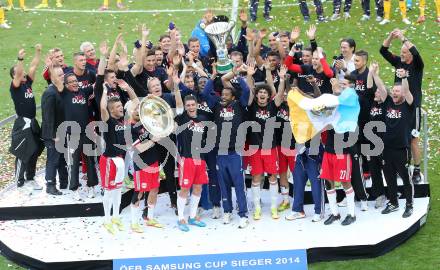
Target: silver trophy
[{"x": 218, "y": 32}]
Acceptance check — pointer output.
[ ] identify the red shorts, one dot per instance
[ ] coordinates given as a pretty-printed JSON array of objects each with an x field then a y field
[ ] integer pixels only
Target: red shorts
[
  {"x": 192, "y": 171},
  {"x": 336, "y": 169},
  {"x": 286, "y": 159},
  {"x": 107, "y": 170},
  {"x": 147, "y": 178},
  {"x": 245, "y": 157},
  {"x": 264, "y": 161}
]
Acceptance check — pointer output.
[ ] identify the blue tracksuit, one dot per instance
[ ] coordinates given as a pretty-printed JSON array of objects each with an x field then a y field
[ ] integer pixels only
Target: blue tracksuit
[
  {"x": 307, "y": 168},
  {"x": 230, "y": 173},
  {"x": 229, "y": 163}
]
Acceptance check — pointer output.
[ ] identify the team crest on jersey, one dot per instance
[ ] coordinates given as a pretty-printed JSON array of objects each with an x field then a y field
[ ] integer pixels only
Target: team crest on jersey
[
  {"x": 262, "y": 114},
  {"x": 394, "y": 114},
  {"x": 144, "y": 185},
  {"x": 185, "y": 181},
  {"x": 375, "y": 111},
  {"x": 227, "y": 112},
  {"x": 28, "y": 93},
  {"x": 78, "y": 99},
  {"x": 283, "y": 114},
  {"x": 195, "y": 127}
]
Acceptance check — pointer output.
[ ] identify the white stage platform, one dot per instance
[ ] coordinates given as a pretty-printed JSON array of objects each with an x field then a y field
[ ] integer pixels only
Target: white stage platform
[{"x": 40, "y": 231}]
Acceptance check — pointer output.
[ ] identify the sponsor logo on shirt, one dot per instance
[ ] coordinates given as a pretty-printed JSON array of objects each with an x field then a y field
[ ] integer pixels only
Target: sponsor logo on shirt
[
  {"x": 120, "y": 127},
  {"x": 394, "y": 114},
  {"x": 78, "y": 99},
  {"x": 195, "y": 127},
  {"x": 227, "y": 112},
  {"x": 283, "y": 114},
  {"x": 262, "y": 114},
  {"x": 359, "y": 86},
  {"x": 203, "y": 106},
  {"x": 375, "y": 111},
  {"x": 143, "y": 135},
  {"x": 83, "y": 84},
  {"x": 113, "y": 94},
  {"x": 28, "y": 93}
]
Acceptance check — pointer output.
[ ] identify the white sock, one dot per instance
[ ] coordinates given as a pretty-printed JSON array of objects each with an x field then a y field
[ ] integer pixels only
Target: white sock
[
  {"x": 181, "y": 207},
  {"x": 331, "y": 195},
  {"x": 107, "y": 204},
  {"x": 116, "y": 202},
  {"x": 273, "y": 188},
  {"x": 194, "y": 205},
  {"x": 256, "y": 195},
  {"x": 285, "y": 193},
  {"x": 150, "y": 211},
  {"x": 349, "y": 193},
  {"x": 134, "y": 214}
]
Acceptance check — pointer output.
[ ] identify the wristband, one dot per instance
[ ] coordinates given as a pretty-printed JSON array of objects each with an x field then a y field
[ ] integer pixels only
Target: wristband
[
  {"x": 404, "y": 40},
  {"x": 194, "y": 65},
  {"x": 20, "y": 59}
]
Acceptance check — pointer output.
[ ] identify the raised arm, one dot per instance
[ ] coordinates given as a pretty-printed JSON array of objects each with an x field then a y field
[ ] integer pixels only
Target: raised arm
[
  {"x": 269, "y": 78},
  {"x": 226, "y": 79},
  {"x": 141, "y": 52},
  {"x": 19, "y": 69},
  {"x": 403, "y": 74},
  {"x": 177, "y": 95},
  {"x": 250, "y": 81},
  {"x": 327, "y": 70},
  {"x": 127, "y": 88},
  {"x": 244, "y": 98},
  {"x": 103, "y": 49},
  {"x": 257, "y": 49},
  {"x": 103, "y": 105},
  {"x": 111, "y": 60},
  {"x": 374, "y": 67},
  {"x": 384, "y": 50},
  {"x": 278, "y": 99},
  {"x": 311, "y": 34},
  {"x": 34, "y": 64}
]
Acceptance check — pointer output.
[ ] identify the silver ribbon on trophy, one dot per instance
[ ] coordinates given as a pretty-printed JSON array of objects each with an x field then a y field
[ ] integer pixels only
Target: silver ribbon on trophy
[{"x": 218, "y": 32}]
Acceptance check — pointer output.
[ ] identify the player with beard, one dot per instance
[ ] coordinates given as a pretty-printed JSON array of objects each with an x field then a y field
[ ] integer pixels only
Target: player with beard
[
  {"x": 111, "y": 162},
  {"x": 399, "y": 106},
  {"x": 376, "y": 114},
  {"x": 262, "y": 143},
  {"x": 410, "y": 60}
]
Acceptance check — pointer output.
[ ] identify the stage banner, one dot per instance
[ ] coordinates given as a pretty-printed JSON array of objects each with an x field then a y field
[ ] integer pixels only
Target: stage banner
[{"x": 274, "y": 260}]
